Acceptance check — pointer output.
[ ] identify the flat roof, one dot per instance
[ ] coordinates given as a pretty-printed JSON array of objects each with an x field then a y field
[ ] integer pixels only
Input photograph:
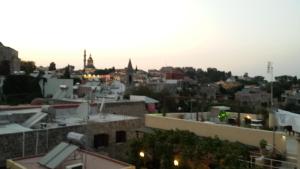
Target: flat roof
[
  {"x": 18, "y": 107},
  {"x": 107, "y": 100},
  {"x": 91, "y": 161},
  {"x": 12, "y": 128},
  {"x": 221, "y": 107},
  {"x": 20, "y": 111},
  {"x": 107, "y": 117}
]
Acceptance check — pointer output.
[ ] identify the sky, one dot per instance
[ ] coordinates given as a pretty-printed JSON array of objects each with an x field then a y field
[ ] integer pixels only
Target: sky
[{"x": 232, "y": 35}]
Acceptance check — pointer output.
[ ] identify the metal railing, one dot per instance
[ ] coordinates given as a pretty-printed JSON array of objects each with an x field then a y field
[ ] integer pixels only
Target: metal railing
[{"x": 269, "y": 163}]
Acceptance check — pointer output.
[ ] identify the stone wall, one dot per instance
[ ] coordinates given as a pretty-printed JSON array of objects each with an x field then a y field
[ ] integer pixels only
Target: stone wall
[
  {"x": 115, "y": 150},
  {"x": 11, "y": 55},
  {"x": 110, "y": 128}
]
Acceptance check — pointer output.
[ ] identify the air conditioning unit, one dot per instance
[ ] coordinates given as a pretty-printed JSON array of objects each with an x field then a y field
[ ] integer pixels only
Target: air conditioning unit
[{"x": 75, "y": 166}]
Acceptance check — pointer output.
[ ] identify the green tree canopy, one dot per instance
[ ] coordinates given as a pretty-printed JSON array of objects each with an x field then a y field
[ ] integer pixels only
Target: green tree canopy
[
  {"x": 20, "y": 89},
  {"x": 67, "y": 73},
  {"x": 4, "y": 68},
  {"x": 52, "y": 66},
  {"x": 104, "y": 71},
  {"x": 28, "y": 66},
  {"x": 162, "y": 147}
]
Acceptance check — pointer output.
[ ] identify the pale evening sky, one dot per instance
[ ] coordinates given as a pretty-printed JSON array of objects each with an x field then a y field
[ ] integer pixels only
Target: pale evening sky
[{"x": 237, "y": 35}]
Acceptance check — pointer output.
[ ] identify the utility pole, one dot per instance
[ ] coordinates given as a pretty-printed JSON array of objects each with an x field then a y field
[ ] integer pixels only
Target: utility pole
[{"x": 270, "y": 71}]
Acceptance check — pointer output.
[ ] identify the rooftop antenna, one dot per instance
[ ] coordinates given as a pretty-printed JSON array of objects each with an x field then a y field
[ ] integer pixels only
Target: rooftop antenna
[{"x": 100, "y": 108}]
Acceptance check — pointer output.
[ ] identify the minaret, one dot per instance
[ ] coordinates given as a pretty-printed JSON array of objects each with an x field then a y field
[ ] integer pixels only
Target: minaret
[{"x": 84, "y": 59}]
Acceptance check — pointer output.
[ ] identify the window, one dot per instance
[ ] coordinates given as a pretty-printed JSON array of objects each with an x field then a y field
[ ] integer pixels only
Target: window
[
  {"x": 121, "y": 136},
  {"x": 101, "y": 140}
]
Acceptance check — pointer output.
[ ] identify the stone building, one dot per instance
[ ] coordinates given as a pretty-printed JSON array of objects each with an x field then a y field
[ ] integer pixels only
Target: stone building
[{"x": 9, "y": 55}]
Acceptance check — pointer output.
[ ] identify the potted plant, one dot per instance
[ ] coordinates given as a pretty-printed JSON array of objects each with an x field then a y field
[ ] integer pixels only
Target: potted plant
[{"x": 263, "y": 144}]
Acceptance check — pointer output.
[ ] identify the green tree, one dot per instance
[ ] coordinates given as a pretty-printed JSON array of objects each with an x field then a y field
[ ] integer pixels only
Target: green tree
[
  {"x": 211, "y": 75},
  {"x": 4, "y": 68},
  {"x": 52, "y": 66},
  {"x": 105, "y": 71},
  {"x": 281, "y": 84},
  {"x": 20, "y": 89},
  {"x": 67, "y": 74},
  {"x": 162, "y": 147},
  {"x": 28, "y": 66}
]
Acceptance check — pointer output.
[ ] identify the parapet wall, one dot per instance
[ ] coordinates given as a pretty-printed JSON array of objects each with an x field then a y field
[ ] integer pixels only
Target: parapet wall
[
  {"x": 247, "y": 136},
  {"x": 129, "y": 108},
  {"x": 136, "y": 109}
]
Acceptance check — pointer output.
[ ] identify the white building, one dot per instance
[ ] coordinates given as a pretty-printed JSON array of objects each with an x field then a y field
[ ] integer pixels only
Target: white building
[{"x": 57, "y": 88}]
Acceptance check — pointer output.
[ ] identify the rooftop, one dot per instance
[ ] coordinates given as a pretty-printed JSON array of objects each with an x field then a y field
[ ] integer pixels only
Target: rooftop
[
  {"x": 107, "y": 100},
  {"x": 64, "y": 115},
  {"x": 143, "y": 98},
  {"x": 91, "y": 161}
]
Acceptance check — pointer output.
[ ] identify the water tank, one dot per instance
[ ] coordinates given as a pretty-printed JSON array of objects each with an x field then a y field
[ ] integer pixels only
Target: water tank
[{"x": 76, "y": 138}]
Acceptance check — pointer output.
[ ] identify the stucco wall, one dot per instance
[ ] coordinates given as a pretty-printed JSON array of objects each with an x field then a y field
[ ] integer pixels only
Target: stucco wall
[
  {"x": 52, "y": 86},
  {"x": 232, "y": 133}
]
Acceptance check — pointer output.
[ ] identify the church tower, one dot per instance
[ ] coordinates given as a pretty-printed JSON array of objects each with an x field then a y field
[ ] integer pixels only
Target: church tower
[
  {"x": 129, "y": 73},
  {"x": 84, "y": 59}
]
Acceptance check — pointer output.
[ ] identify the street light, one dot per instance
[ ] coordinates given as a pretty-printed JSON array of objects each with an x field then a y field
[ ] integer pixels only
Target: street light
[
  {"x": 142, "y": 154},
  {"x": 176, "y": 163},
  {"x": 248, "y": 117}
]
